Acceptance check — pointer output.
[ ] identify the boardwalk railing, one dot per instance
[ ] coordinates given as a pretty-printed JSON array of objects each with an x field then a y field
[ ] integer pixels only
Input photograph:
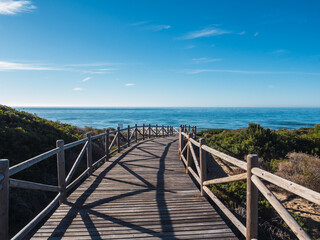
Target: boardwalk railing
[
  {"x": 66, "y": 183},
  {"x": 254, "y": 177}
]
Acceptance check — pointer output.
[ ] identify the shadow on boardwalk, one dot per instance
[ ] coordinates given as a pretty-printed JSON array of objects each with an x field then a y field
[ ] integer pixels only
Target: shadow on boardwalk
[{"x": 140, "y": 193}]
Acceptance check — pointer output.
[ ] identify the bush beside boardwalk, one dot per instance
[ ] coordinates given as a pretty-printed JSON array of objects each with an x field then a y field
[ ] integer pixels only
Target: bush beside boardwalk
[
  {"x": 24, "y": 135},
  {"x": 292, "y": 154}
]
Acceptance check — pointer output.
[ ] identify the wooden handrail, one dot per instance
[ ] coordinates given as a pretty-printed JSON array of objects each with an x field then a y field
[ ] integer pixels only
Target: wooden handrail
[
  {"x": 64, "y": 184},
  {"x": 252, "y": 174}
]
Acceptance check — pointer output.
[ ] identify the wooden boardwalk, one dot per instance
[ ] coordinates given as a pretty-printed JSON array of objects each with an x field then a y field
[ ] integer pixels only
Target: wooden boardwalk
[{"x": 142, "y": 192}]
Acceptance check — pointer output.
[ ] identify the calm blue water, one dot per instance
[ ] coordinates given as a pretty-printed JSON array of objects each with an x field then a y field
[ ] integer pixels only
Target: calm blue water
[{"x": 203, "y": 118}]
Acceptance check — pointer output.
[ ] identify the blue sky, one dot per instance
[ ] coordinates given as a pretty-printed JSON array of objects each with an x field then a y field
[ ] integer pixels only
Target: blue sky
[{"x": 160, "y": 53}]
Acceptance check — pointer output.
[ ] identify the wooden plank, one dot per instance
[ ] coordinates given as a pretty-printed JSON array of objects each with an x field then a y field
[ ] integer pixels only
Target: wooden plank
[
  {"x": 286, "y": 216},
  {"x": 76, "y": 163},
  {"x": 32, "y": 185},
  {"x": 232, "y": 160},
  {"x": 28, "y": 163},
  {"x": 142, "y": 192},
  {"x": 22, "y": 233},
  {"x": 4, "y": 199},
  {"x": 195, "y": 159},
  {"x": 234, "y": 178},
  {"x": 252, "y": 200},
  {"x": 226, "y": 211},
  {"x": 297, "y": 189}
]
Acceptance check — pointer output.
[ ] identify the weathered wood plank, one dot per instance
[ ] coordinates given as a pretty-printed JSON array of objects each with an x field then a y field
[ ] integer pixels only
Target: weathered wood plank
[{"x": 142, "y": 192}]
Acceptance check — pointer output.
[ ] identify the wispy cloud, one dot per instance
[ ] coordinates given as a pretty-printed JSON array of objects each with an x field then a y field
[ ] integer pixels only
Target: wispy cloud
[
  {"x": 11, "y": 66},
  {"x": 144, "y": 25},
  {"x": 97, "y": 64},
  {"x": 156, "y": 28},
  {"x": 242, "y": 33},
  {"x": 90, "y": 68},
  {"x": 140, "y": 23},
  {"x": 11, "y": 7},
  {"x": 86, "y": 79},
  {"x": 77, "y": 89},
  {"x": 205, "y": 60},
  {"x": 255, "y": 34},
  {"x": 197, "y": 71},
  {"x": 271, "y": 86},
  {"x": 129, "y": 84},
  {"x": 206, "y": 32}
]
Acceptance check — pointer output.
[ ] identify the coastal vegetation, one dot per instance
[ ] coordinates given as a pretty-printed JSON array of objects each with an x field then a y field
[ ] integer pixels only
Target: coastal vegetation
[
  {"x": 24, "y": 135},
  {"x": 291, "y": 154}
]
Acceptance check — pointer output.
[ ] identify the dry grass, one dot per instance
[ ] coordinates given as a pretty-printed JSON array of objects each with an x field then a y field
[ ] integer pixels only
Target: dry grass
[{"x": 301, "y": 168}]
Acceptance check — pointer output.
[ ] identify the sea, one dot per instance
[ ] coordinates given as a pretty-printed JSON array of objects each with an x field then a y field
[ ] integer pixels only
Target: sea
[{"x": 203, "y": 118}]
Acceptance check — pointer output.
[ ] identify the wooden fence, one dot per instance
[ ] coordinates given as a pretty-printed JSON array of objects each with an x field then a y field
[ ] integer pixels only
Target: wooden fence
[
  {"x": 66, "y": 182},
  {"x": 254, "y": 176}
]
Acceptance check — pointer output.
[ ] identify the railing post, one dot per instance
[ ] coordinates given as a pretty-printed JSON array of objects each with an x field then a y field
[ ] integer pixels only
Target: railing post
[
  {"x": 107, "y": 145},
  {"x": 162, "y": 130},
  {"x": 61, "y": 167},
  {"x": 156, "y": 130},
  {"x": 168, "y": 131},
  {"x": 149, "y": 131},
  {"x": 189, "y": 129},
  {"x": 89, "y": 154},
  {"x": 195, "y": 132},
  {"x": 4, "y": 199},
  {"x": 252, "y": 200},
  {"x": 180, "y": 141},
  {"x": 118, "y": 140},
  {"x": 136, "y": 132},
  {"x": 129, "y": 132},
  {"x": 203, "y": 164},
  {"x": 188, "y": 154},
  {"x": 143, "y": 132}
]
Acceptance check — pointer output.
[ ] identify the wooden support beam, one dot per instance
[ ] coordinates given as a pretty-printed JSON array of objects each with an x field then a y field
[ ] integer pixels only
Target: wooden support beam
[
  {"x": 156, "y": 130},
  {"x": 203, "y": 165},
  {"x": 107, "y": 145},
  {"x": 136, "y": 132},
  {"x": 61, "y": 167},
  {"x": 118, "y": 139},
  {"x": 128, "y": 137},
  {"x": 4, "y": 199},
  {"x": 234, "y": 178},
  {"x": 188, "y": 154},
  {"x": 286, "y": 216},
  {"x": 76, "y": 163},
  {"x": 252, "y": 200},
  {"x": 89, "y": 154},
  {"x": 33, "y": 186},
  {"x": 143, "y": 129},
  {"x": 149, "y": 131}
]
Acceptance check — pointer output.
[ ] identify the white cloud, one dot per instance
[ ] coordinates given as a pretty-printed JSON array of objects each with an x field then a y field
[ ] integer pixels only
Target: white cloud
[
  {"x": 10, "y": 66},
  {"x": 256, "y": 34},
  {"x": 271, "y": 86},
  {"x": 139, "y": 23},
  {"x": 86, "y": 79},
  {"x": 196, "y": 71},
  {"x": 11, "y": 7},
  {"x": 242, "y": 33},
  {"x": 156, "y": 28},
  {"x": 77, "y": 89},
  {"x": 206, "y": 32},
  {"x": 129, "y": 84},
  {"x": 206, "y": 60},
  {"x": 91, "y": 68}
]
